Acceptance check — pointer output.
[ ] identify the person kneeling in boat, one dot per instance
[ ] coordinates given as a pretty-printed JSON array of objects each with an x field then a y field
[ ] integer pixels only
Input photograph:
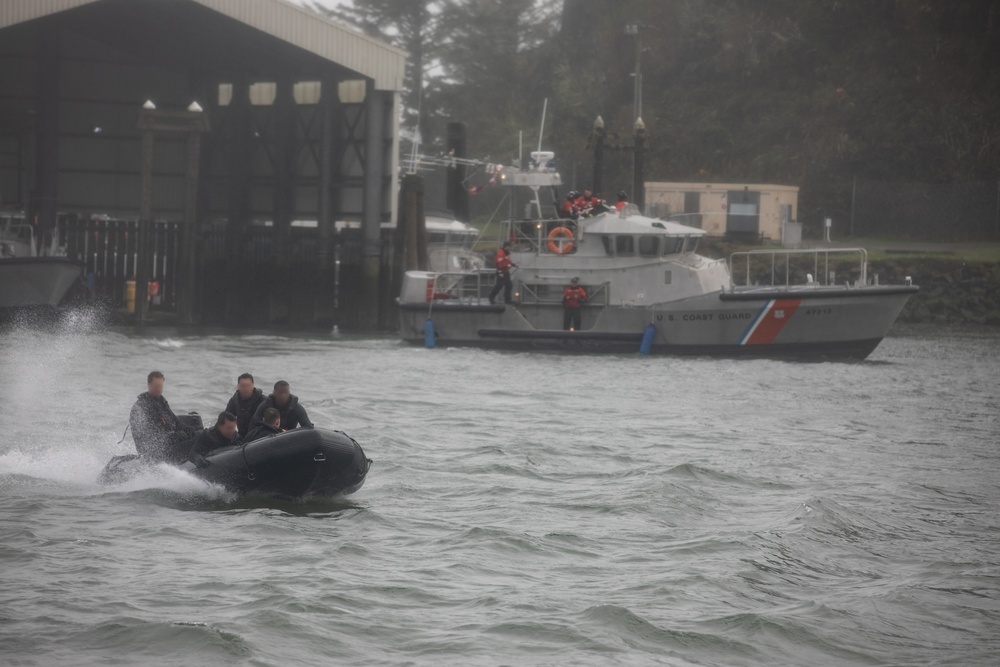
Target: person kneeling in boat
[
  {"x": 158, "y": 433},
  {"x": 223, "y": 434},
  {"x": 287, "y": 404},
  {"x": 270, "y": 425}
]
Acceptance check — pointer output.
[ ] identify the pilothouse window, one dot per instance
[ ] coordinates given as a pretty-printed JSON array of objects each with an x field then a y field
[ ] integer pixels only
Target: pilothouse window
[
  {"x": 690, "y": 243},
  {"x": 649, "y": 246},
  {"x": 672, "y": 245},
  {"x": 624, "y": 246},
  {"x": 608, "y": 246}
]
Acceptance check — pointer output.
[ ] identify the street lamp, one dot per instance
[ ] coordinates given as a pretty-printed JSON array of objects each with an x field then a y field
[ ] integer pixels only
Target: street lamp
[{"x": 635, "y": 29}]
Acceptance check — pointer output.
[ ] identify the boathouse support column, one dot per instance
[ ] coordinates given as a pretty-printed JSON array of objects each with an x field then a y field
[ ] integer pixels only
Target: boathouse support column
[
  {"x": 143, "y": 259},
  {"x": 324, "y": 311},
  {"x": 191, "y": 252},
  {"x": 324, "y": 205},
  {"x": 372, "y": 207},
  {"x": 284, "y": 149},
  {"x": 45, "y": 205},
  {"x": 240, "y": 141}
]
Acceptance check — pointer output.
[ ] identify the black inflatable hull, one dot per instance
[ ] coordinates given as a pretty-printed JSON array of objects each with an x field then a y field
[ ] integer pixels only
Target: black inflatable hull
[{"x": 295, "y": 464}]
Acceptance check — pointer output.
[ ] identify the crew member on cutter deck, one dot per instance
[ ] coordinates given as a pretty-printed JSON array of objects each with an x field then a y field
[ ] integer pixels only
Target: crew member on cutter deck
[
  {"x": 157, "y": 432},
  {"x": 244, "y": 403},
  {"x": 287, "y": 404},
  {"x": 587, "y": 205},
  {"x": 504, "y": 265},
  {"x": 573, "y": 297},
  {"x": 223, "y": 434},
  {"x": 622, "y": 201},
  {"x": 568, "y": 210},
  {"x": 269, "y": 425}
]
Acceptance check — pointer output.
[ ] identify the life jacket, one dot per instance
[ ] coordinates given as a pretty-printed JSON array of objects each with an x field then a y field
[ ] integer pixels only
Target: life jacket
[
  {"x": 245, "y": 408},
  {"x": 287, "y": 412},
  {"x": 504, "y": 262},
  {"x": 573, "y": 296}
]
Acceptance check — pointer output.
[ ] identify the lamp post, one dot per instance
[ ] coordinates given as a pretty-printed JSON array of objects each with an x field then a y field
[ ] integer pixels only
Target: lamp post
[
  {"x": 635, "y": 29},
  {"x": 599, "y": 135},
  {"x": 638, "y": 166}
]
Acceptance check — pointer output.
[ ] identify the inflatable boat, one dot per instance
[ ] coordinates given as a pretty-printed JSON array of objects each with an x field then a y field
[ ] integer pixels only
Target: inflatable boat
[{"x": 295, "y": 464}]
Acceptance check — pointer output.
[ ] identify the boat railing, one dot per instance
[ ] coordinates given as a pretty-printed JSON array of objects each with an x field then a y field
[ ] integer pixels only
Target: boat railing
[
  {"x": 548, "y": 294},
  {"x": 466, "y": 287},
  {"x": 787, "y": 264}
]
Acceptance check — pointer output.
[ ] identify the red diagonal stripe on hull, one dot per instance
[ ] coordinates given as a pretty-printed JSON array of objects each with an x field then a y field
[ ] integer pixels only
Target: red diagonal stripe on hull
[{"x": 774, "y": 321}]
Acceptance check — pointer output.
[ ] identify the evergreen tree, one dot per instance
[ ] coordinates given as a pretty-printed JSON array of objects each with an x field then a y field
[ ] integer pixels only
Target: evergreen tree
[{"x": 414, "y": 26}]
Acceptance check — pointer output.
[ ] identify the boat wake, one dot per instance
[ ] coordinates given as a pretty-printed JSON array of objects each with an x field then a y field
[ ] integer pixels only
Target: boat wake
[{"x": 75, "y": 472}]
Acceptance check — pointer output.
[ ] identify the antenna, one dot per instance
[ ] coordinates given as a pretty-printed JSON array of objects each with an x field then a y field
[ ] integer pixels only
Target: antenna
[
  {"x": 520, "y": 149},
  {"x": 541, "y": 130}
]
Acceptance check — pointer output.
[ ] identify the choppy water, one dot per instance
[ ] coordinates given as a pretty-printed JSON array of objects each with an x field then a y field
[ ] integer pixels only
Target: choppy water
[{"x": 523, "y": 509}]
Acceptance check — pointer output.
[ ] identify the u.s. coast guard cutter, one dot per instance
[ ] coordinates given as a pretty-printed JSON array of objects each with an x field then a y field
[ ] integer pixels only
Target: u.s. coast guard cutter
[{"x": 648, "y": 288}]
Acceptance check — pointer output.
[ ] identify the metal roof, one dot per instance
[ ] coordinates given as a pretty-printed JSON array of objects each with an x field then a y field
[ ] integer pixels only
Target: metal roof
[
  {"x": 291, "y": 23},
  {"x": 613, "y": 223}
]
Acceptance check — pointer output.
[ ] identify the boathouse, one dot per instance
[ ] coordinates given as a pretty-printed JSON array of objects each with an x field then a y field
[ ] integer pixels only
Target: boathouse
[
  {"x": 746, "y": 212},
  {"x": 211, "y": 146}
]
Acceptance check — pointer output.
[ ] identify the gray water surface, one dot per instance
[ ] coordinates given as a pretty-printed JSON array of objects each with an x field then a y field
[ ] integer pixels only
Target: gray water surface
[{"x": 523, "y": 509}]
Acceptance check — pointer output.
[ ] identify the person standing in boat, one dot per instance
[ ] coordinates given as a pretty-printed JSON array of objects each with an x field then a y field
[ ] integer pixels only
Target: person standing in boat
[
  {"x": 223, "y": 434},
  {"x": 156, "y": 430},
  {"x": 269, "y": 425},
  {"x": 573, "y": 298},
  {"x": 504, "y": 265},
  {"x": 293, "y": 415},
  {"x": 244, "y": 402}
]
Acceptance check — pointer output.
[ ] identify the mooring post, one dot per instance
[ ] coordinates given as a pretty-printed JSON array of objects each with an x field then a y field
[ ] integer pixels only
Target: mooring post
[{"x": 412, "y": 185}]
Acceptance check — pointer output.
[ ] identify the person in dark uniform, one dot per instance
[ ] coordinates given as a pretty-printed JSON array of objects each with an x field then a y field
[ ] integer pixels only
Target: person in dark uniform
[
  {"x": 287, "y": 404},
  {"x": 223, "y": 434},
  {"x": 573, "y": 297},
  {"x": 269, "y": 425},
  {"x": 244, "y": 403},
  {"x": 158, "y": 433},
  {"x": 504, "y": 265}
]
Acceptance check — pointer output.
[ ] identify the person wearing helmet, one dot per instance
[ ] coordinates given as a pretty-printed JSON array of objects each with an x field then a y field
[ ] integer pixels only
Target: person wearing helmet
[
  {"x": 568, "y": 210},
  {"x": 504, "y": 265},
  {"x": 622, "y": 201}
]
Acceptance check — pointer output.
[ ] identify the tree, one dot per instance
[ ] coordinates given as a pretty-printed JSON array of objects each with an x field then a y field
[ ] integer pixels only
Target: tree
[{"x": 414, "y": 26}]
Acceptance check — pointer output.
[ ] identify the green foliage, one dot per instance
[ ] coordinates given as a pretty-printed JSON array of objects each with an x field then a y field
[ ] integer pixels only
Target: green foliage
[{"x": 808, "y": 93}]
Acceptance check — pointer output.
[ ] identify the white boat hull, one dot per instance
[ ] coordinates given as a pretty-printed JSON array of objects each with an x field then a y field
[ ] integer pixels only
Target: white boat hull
[
  {"x": 34, "y": 282},
  {"x": 829, "y": 322}
]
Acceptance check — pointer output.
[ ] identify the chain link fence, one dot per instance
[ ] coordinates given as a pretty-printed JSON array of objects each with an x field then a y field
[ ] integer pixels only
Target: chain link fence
[{"x": 951, "y": 212}]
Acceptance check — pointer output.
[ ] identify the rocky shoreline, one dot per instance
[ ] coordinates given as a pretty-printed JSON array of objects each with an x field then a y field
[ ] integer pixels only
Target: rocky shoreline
[{"x": 952, "y": 291}]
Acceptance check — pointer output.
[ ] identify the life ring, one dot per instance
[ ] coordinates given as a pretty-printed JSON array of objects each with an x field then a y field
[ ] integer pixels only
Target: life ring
[{"x": 557, "y": 244}]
